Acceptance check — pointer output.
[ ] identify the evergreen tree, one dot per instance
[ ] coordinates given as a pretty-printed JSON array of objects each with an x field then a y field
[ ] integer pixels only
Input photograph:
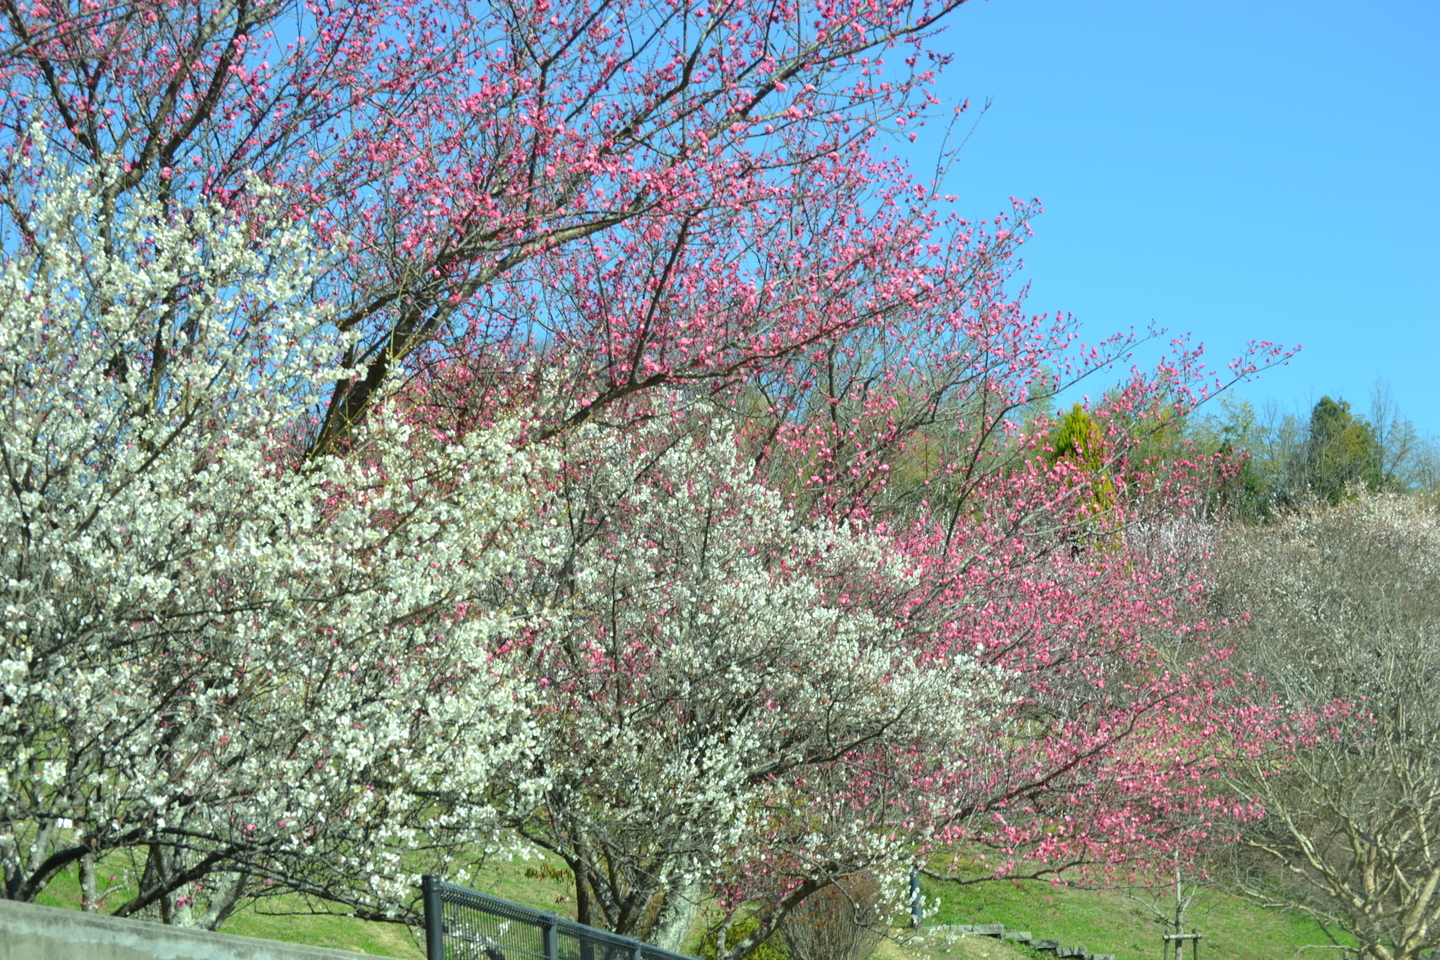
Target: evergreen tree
[{"x": 1342, "y": 451}]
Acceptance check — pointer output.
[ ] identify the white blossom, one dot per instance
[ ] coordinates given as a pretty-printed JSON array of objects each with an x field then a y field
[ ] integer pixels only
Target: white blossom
[
  {"x": 243, "y": 666},
  {"x": 736, "y": 703}
]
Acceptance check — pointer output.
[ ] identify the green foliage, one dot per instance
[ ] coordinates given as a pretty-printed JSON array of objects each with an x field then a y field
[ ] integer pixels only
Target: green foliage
[
  {"x": 1250, "y": 487},
  {"x": 1285, "y": 460},
  {"x": 1078, "y": 438},
  {"x": 1342, "y": 451}
]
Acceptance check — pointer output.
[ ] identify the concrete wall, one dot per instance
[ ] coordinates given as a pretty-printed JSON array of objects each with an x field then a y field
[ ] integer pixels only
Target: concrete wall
[{"x": 28, "y": 932}]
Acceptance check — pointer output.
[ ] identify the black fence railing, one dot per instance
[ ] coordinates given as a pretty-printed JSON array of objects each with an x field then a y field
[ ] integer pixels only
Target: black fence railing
[{"x": 464, "y": 924}]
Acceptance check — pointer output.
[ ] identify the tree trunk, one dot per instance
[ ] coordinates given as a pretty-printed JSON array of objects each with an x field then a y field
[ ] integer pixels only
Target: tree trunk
[
  {"x": 88, "y": 900},
  {"x": 677, "y": 916},
  {"x": 229, "y": 888}
]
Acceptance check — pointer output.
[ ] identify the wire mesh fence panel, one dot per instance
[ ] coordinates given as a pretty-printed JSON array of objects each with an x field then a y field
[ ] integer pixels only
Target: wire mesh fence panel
[
  {"x": 464, "y": 924},
  {"x": 590, "y": 948},
  {"x": 477, "y": 934}
]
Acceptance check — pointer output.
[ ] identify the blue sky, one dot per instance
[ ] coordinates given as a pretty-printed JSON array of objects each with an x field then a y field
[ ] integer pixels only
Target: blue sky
[{"x": 1239, "y": 170}]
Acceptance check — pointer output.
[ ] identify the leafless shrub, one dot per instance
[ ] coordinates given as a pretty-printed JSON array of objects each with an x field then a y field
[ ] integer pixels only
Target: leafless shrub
[
  {"x": 1344, "y": 608},
  {"x": 842, "y": 922}
]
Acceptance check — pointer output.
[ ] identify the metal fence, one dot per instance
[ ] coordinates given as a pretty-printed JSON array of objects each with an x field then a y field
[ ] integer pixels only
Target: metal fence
[{"x": 464, "y": 924}]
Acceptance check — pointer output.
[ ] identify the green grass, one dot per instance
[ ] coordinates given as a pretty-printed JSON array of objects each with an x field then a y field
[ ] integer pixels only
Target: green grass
[
  {"x": 1107, "y": 921},
  {"x": 541, "y": 883},
  {"x": 336, "y": 931}
]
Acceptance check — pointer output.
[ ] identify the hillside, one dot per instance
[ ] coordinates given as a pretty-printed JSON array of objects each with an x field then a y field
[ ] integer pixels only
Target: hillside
[{"x": 1103, "y": 921}]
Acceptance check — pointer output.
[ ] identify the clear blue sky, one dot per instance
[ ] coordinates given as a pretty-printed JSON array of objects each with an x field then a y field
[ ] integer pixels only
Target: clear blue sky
[{"x": 1240, "y": 169}]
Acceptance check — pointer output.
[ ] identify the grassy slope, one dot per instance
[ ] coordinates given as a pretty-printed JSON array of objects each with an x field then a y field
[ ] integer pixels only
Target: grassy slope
[
  {"x": 535, "y": 883},
  {"x": 1111, "y": 922},
  {"x": 272, "y": 920},
  {"x": 1104, "y": 921}
]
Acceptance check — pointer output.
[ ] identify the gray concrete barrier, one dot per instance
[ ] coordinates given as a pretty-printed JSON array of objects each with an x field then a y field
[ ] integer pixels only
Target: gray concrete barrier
[{"x": 28, "y": 932}]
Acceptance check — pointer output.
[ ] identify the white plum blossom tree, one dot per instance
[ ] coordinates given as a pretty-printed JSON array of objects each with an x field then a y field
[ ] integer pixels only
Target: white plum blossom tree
[
  {"x": 736, "y": 709},
  {"x": 236, "y": 670}
]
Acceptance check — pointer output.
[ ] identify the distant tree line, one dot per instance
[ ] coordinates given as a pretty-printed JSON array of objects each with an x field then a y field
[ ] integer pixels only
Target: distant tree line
[{"x": 1288, "y": 460}]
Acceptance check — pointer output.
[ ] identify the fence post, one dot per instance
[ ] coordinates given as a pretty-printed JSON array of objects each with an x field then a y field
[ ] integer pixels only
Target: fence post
[
  {"x": 434, "y": 917},
  {"x": 916, "y": 913},
  {"x": 552, "y": 936}
]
